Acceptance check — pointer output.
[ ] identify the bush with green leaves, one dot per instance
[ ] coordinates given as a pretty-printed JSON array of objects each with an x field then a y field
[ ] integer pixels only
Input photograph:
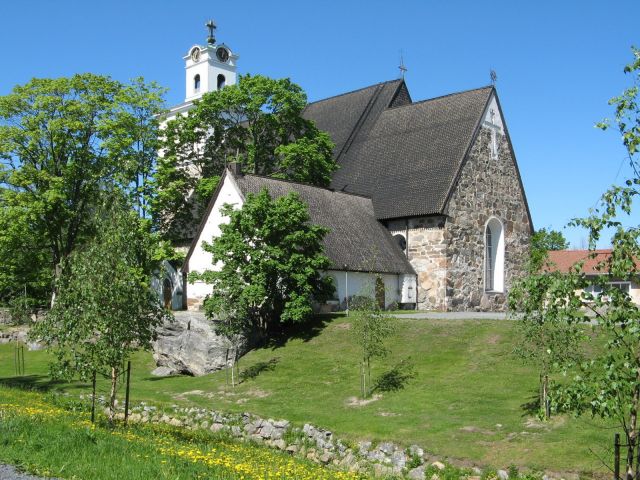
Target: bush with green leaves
[{"x": 272, "y": 261}]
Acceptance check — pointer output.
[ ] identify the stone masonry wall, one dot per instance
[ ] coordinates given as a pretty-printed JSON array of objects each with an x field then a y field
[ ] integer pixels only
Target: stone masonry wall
[
  {"x": 487, "y": 187},
  {"x": 427, "y": 254}
]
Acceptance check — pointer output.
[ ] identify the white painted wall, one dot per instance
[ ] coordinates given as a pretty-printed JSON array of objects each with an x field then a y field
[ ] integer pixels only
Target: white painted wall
[
  {"x": 200, "y": 259},
  {"x": 492, "y": 117},
  {"x": 398, "y": 288},
  {"x": 408, "y": 291},
  {"x": 363, "y": 284}
]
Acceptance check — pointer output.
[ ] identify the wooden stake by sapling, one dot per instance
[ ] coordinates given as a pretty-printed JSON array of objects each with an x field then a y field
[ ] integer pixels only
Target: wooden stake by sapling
[
  {"x": 126, "y": 397},
  {"x": 93, "y": 398}
]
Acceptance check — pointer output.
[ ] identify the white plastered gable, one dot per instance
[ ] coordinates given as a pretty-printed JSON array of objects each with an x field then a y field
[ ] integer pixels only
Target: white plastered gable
[
  {"x": 201, "y": 260},
  {"x": 492, "y": 120}
]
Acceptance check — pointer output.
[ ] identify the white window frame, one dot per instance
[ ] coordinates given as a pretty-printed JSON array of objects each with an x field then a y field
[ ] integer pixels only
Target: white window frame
[
  {"x": 496, "y": 256},
  {"x": 596, "y": 290}
]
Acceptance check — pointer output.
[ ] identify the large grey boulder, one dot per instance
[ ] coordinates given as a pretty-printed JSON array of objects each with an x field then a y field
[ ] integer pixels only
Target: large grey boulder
[{"x": 189, "y": 344}]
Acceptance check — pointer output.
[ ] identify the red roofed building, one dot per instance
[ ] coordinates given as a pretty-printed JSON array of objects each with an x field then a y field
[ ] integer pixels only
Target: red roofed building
[{"x": 594, "y": 264}]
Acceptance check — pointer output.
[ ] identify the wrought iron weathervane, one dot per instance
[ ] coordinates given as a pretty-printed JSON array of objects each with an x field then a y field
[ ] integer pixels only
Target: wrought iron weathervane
[{"x": 402, "y": 67}]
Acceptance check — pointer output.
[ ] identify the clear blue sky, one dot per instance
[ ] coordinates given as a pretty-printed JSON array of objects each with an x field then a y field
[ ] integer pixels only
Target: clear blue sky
[{"x": 558, "y": 62}]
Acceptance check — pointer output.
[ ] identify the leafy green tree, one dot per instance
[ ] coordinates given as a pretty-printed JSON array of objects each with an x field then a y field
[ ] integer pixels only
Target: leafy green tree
[
  {"x": 62, "y": 142},
  {"x": 371, "y": 327},
  {"x": 542, "y": 241},
  {"x": 547, "y": 342},
  {"x": 106, "y": 308},
  {"x": 548, "y": 337},
  {"x": 272, "y": 259},
  {"x": 258, "y": 123},
  {"x": 607, "y": 383},
  {"x": 25, "y": 276}
]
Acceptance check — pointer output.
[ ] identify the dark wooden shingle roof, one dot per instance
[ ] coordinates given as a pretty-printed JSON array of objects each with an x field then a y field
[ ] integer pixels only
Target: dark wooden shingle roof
[
  {"x": 355, "y": 239},
  {"x": 405, "y": 156}
]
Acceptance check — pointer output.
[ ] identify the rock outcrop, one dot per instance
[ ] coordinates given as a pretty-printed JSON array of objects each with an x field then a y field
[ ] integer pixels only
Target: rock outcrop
[{"x": 189, "y": 344}]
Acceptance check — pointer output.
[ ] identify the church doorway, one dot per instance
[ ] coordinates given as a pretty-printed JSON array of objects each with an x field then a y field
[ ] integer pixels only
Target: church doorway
[
  {"x": 166, "y": 293},
  {"x": 380, "y": 293}
]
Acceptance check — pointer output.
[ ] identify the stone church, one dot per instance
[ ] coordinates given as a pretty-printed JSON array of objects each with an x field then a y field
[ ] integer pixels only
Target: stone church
[{"x": 428, "y": 195}]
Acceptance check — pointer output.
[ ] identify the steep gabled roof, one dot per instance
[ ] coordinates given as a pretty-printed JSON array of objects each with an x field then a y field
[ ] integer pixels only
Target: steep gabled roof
[
  {"x": 407, "y": 157},
  {"x": 355, "y": 239},
  {"x": 343, "y": 115}
]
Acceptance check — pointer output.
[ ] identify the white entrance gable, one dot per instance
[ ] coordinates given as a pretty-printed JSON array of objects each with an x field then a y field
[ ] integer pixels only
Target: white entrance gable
[{"x": 200, "y": 260}]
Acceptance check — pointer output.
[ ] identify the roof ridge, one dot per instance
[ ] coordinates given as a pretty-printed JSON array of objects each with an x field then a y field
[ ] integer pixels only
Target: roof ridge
[
  {"x": 440, "y": 97},
  {"x": 284, "y": 180},
  {"x": 585, "y": 250},
  {"x": 354, "y": 91},
  {"x": 363, "y": 118}
]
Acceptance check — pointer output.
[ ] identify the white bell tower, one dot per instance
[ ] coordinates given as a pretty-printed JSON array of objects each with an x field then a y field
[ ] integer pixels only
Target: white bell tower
[{"x": 209, "y": 68}]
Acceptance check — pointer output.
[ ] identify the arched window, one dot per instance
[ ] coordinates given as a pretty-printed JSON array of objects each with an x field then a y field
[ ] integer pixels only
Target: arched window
[
  {"x": 196, "y": 83},
  {"x": 221, "y": 81},
  {"x": 401, "y": 241},
  {"x": 494, "y": 256}
]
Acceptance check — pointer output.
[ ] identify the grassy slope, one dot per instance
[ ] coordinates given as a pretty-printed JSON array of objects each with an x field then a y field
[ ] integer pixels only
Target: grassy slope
[
  {"x": 51, "y": 441},
  {"x": 467, "y": 383}
]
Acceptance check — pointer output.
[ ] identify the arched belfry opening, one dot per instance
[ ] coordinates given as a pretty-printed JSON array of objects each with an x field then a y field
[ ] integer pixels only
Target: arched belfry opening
[
  {"x": 196, "y": 83},
  {"x": 222, "y": 81},
  {"x": 494, "y": 256}
]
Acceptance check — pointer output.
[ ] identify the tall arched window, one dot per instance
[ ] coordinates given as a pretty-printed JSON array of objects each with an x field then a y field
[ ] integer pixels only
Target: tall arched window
[
  {"x": 196, "y": 83},
  {"x": 494, "y": 256},
  {"x": 221, "y": 81}
]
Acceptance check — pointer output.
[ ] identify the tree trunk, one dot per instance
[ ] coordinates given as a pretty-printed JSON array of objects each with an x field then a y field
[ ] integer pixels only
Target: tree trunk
[
  {"x": 112, "y": 395},
  {"x": 362, "y": 380},
  {"x": 57, "y": 272},
  {"x": 632, "y": 431},
  {"x": 545, "y": 397},
  {"x": 233, "y": 366}
]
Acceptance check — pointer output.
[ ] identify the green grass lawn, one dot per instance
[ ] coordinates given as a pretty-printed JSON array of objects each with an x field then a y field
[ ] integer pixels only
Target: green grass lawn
[
  {"x": 468, "y": 400},
  {"x": 46, "y": 438}
]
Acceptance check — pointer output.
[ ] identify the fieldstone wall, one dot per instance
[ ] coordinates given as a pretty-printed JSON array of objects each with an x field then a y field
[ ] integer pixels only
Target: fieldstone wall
[
  {"x": 381, "y": 459},
  {"x": 427, "y": 247},
  {"x": 487, "y": 187}
]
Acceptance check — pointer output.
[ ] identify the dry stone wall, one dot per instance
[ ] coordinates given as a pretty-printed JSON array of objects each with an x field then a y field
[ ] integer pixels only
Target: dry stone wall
[{"x": 487, "y": 187}]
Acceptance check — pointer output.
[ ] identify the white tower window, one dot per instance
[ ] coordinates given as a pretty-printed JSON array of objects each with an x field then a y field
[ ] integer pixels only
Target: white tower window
[
  {"x": 221, "y": 81},
  {"x": 494, "y": 256},
  {"x": 196, "y": 83}
]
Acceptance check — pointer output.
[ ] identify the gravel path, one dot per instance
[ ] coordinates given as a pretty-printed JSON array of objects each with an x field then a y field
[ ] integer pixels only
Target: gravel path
[
  {"x": 7, "y": 472},
  {"x": 454, "y": 315}
]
